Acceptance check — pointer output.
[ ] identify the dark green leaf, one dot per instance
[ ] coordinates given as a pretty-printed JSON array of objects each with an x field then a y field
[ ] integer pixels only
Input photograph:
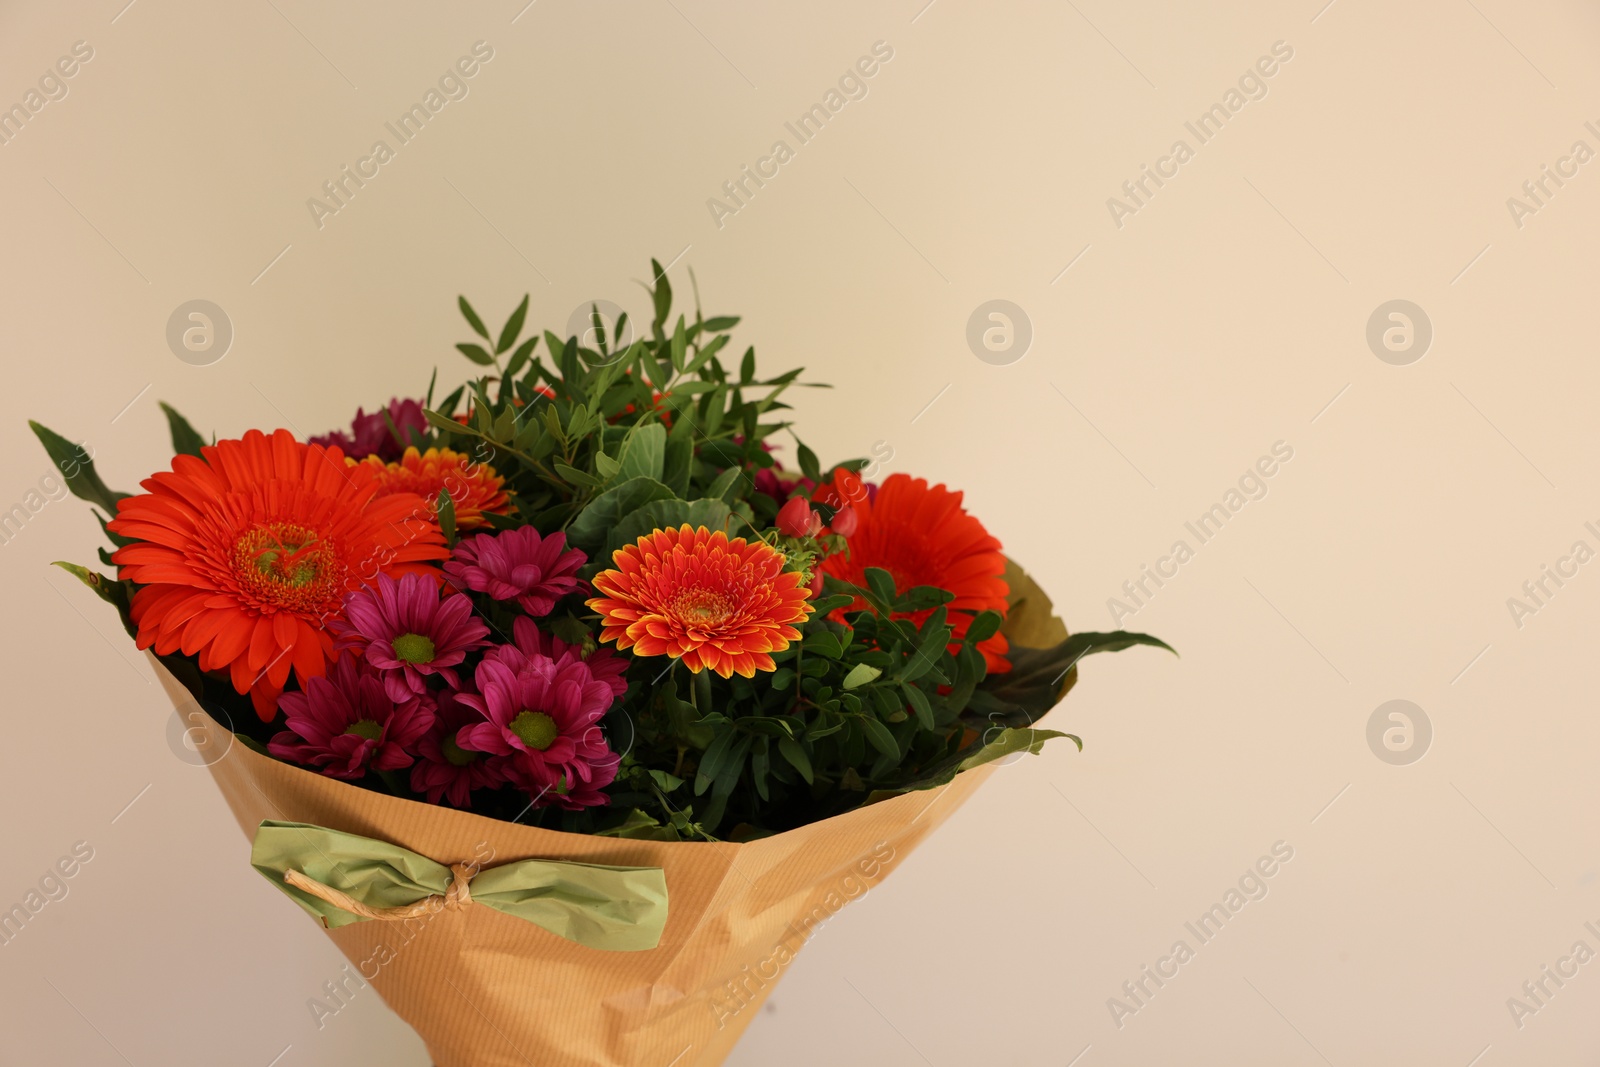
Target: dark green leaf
[
  {"x": 880, "y": 737},
  {"x": 667, "y": 514},
  {"x": 520, "y": 356},
  {"x": 795, "y": 753},
  {"x": 808, "y": 463},
  {"x": 447, "y": 516},
  {"x": 589, "y": 529},
  {"x": 644, "y": 453},
  {"x": 513, "y": 327},
  {"x": 185, "y": 441},
  {"x": 473, "y": 320},
  {"x": 882, "y": 583},
  {"x": 477, "y": 354},
  {"x": 77, "y": 469},
  {"x": 919, "y": 704}
]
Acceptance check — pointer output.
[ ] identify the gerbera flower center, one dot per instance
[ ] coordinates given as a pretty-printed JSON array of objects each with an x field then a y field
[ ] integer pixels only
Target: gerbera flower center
[
  {"x": 288, "y": 566},
  {"x": 458, "y": 756},
  {"x": 414, "y": 648},
  {"x": 702, "y": 608},
  {"x": 365, "y": 728},
  {"x": 536, "y": 729}
]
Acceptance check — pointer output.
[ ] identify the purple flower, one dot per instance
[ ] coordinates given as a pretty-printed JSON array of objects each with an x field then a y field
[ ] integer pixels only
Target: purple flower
[
  {"x": 530, "y": 641},
  {"x": 518, "y": 565},
  {"x": 370, "y": 433},
  {"x": 446, "y": 772},
  {"x": 405, "y": 630},
  {"x": 544, "y": 716},
  {"x": 346, "y": 724}
]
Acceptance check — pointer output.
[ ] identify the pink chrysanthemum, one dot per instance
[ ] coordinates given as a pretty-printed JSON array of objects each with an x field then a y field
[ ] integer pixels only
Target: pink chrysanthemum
[
  {"x": 446, "y": 772},
  {"x": 405, "y": 630},
  {"x": 530, "y": 641},
  {"x": 345, "y": 724},
  {"x": 518, "y": 565},
  {"x": 544, "y": 716}
]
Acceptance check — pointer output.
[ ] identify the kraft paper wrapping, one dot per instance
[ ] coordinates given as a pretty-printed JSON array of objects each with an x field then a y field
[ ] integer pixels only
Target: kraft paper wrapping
[{"x": 485, "y": 989}]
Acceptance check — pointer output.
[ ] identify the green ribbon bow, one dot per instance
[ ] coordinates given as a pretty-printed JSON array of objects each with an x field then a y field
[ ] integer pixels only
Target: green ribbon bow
[{"x": 620, "y": 909}]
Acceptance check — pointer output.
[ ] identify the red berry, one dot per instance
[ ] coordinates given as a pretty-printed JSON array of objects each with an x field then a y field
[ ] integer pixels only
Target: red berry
[
  {"x": 796, "y": 519},
  {"x": 845, "y": 522}
]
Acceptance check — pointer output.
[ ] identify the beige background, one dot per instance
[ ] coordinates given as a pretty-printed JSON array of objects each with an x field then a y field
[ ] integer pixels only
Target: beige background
[{"x": 1227, "y": 314}]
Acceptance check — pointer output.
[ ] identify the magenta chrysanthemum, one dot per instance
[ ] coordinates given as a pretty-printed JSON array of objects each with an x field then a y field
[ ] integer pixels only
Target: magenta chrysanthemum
[
  {"x": 530, "y": 641},
  {"x": 345, "y": 724},
  {"x": 370, "y": 434},
  {"x": 544, "y": 715},
  {"x": 406, "y": 631},
  {"x": 446, "y": 772},
  {"x": 518, "y": 565}
]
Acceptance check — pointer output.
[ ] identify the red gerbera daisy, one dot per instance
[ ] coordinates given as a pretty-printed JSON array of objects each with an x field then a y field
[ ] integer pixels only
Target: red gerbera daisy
[
  {"x": 922, "y": 536},
  {"x": 695, "y": 595},
  {"x": 245, "y": 554}
]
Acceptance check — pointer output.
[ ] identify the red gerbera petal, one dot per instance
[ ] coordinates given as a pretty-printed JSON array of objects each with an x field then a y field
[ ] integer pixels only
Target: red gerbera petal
[
  {"x": 244, "y": 555},
  {"x": 922, "y": 536}
]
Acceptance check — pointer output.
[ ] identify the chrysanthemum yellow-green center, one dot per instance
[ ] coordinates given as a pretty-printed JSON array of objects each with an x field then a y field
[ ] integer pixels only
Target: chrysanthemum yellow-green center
[
  {"x": 365, "y": 728},
  {"x": 414, "y": 648},
  {"x": 536, "y": 729},
  {"x": 458, "y": 756}
]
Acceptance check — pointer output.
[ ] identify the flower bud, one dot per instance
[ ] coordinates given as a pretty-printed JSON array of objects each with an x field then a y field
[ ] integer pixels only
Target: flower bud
[
  {"x": 845, "y": 522},
  {"x": 796, "y": 519}
]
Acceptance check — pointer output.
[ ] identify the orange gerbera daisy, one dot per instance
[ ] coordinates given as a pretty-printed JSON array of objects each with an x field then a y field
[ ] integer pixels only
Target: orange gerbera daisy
[
  {"x": 474, "y": 487},
  {"x": 697, "y": 596},
  {"x": 922, "y": 536},
  {"x": 244, "y": 555}
]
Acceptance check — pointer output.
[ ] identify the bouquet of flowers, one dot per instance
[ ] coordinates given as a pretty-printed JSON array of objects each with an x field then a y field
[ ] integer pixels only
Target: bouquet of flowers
[{"x": 559, "y": 701}]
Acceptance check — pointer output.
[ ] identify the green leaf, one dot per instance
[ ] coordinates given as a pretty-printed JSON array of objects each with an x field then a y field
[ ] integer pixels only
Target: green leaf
[
  {"x": 668, "y": 514},
  {"x": 472, "y": 319},
  {"x": 1010, "y": 741},
  {"x": 678, "y": 345},
  {"x": 919, "y": 704},
  {"x": 513, "y": 328},
  {"x": 77, "y": 469},
  {"x": 588, "y": 530},
  {"x": 747, "y": 367},
  {"x": 644, "y": 452},
  {"x": 712, "y": 760},
  {"x": 880, "y": 737},
  {"x": 666, "y": 781},
  {"x": 721, "y": 323},
  {"x": 185, "y": 441},
  {"x": 447, "y": 517},
  {"x": 808, "y": 464},
  {"x": 110, "y": 590},
  {"x": 722, "y": 486},
  {"x": 860, "y": 675},
  {"x": 520, "y": 357},
  {"x": 984, "y": 626},
  {"x": 477, "y": 354},
  {"x": 660, "y": 294},
  {"x": 881, "y": 583},
  {"x": 795, "y": 753},
  {"x": 575, "y": 476},
  {"x": 1038, "y": 676},
  {"x": 605, "y": 466}
]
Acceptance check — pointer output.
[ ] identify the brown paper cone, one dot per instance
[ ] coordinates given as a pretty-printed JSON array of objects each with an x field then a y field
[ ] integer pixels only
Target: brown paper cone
[{"x": 485, "y": 989}]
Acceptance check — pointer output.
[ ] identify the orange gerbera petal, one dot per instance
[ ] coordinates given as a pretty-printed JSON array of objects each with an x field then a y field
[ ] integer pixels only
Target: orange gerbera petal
[
  {"x": 923, "y": 536},
  {"x": 474, "y": 487},
  {"x": 694, "y": 595},
  {"x": 242, "y": 556}
]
